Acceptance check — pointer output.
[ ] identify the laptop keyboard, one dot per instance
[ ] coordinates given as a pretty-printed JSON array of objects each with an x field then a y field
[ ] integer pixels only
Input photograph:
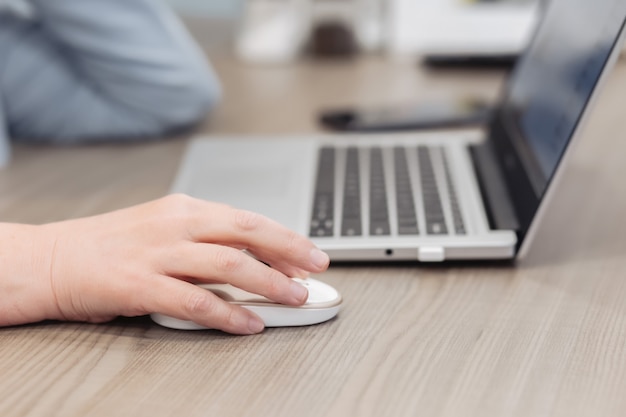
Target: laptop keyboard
[{"x": 372, "y": 178}]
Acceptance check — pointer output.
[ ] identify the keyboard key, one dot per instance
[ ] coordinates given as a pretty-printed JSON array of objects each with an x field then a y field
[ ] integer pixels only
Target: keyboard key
[
  {"x": 433, "y": 210},
  {"x": 379, "y": 212},
  {"x": 351, "y": 214},
  {"x": 407, "y": 218},
  {"x": 322, "y": 222},
  {"x": 457, "y": 218}
]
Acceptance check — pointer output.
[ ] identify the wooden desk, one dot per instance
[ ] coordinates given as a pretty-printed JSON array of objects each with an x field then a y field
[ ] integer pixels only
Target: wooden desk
[{"x": 544, "y": 338}]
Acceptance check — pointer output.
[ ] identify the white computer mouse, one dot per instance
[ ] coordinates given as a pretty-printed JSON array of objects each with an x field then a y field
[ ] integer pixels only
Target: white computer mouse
[{"x": 323, "y": 304}]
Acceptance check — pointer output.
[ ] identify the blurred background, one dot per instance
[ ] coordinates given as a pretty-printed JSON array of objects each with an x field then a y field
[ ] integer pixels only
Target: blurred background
[
  {"x": 263, "y": 49},
  {"x": 212, "y": 8},
  {"x": 275, "y": 31}
]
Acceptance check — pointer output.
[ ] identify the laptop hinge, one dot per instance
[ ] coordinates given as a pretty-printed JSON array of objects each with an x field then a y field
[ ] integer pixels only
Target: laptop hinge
[{"x": 495, "y": 195}]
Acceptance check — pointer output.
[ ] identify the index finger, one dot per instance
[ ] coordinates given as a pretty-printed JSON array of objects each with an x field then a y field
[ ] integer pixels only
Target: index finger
[{"x": 266, "y": 238}]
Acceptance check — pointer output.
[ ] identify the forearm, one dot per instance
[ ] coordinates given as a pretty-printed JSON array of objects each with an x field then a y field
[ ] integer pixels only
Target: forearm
[{"x": 25, "y": 290}]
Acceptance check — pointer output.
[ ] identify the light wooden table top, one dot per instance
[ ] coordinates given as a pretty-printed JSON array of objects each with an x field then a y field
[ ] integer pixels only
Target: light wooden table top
[{"x": 546, "y": 337}]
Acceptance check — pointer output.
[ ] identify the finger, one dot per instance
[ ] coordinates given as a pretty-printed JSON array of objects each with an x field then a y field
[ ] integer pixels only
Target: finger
[
  {"x": 288, "y": 270},
  {"x": 267, "y": 239},
  {"x": 186, "y": 301},
  {"x": 215, "y": 263}
]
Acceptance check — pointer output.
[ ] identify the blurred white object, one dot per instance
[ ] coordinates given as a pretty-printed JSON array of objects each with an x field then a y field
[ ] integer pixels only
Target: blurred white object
[
  {"x": 273, "y": 31},
  {"x": 460, "y": 28},
  {"x": 369, "y": 23}
]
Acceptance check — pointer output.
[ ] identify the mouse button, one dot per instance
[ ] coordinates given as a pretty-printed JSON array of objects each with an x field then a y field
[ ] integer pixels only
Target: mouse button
[{"x": 321, "y": 293}]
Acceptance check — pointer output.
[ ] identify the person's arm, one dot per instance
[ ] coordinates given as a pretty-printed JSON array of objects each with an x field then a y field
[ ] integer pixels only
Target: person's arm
[
  {"x": 93, "y": 69},
  {"x": 136, "y": 261}
]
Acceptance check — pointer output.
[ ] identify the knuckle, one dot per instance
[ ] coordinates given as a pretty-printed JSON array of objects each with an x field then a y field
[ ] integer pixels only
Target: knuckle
[
  {"x": 230, "y": 318},
  {"x": 179, "y": 211},
  {"x": 177, "y": 198},
  {"x": 179, "y": 203},
  {"x": 199, "y": 304},
  {"x": 247, "y": 220},
  {"x": 292, "y": 243},
  {"x": 227, "y": 260},
  {"x": 274, "y": 287}
]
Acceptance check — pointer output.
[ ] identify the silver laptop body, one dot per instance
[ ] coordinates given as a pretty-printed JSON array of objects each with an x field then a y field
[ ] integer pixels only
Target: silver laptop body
[{"x": 429, "y": 196}]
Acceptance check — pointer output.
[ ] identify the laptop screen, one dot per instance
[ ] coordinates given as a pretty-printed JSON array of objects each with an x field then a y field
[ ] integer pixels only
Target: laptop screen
[{"x": 549, "y": 91}]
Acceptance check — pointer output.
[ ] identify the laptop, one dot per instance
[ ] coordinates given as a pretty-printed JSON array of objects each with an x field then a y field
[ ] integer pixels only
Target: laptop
[{"x": 429, "y": 196}]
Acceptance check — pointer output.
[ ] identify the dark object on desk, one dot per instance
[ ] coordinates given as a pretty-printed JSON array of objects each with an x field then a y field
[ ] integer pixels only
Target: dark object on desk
[
  {"x": 470, "y": 62},
  {"x": 426, "y": 115},
  {"x": 332, "y": 40}
]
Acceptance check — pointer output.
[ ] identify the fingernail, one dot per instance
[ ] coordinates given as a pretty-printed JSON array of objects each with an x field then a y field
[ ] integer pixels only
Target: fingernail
[
  {"x": 298, "y": 292},
  {"x": 319, "y": 258},
  {"x": 255, "y": 325}
]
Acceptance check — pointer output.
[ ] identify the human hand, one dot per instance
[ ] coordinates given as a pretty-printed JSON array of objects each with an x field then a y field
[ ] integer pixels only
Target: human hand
[{"x": 143, "y": 260}]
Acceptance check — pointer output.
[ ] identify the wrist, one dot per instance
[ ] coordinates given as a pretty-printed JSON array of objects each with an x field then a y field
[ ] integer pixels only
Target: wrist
[{"x": 26, "y": 254}]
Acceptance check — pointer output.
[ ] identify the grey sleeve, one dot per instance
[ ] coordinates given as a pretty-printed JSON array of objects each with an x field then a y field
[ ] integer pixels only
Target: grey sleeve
[{"x": 101, "y": 69}]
